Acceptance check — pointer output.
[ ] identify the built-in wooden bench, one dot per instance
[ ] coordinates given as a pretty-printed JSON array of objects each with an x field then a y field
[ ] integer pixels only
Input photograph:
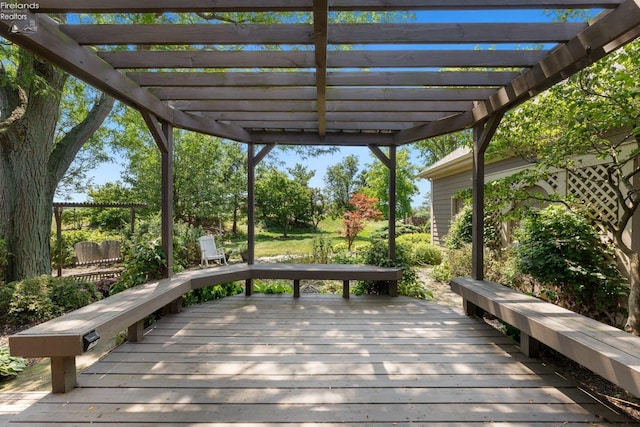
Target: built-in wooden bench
[
  {"x": 605, "y": 350},
  {"x": 68, "y": 336}
]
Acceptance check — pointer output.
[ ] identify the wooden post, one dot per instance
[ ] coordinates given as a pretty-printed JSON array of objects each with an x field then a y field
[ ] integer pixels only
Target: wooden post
[
  {"x": 482, "y": 135},
  {"x": 529, "y": 346},
  {"x": 392, "y": 203},
  {"x": 167, "y": 199},
  {"x": 477, "y": 234},
  {"x": 251, "y": 206},
  {"x": 345, "y": 289},
  {"x": 57, "y": 212},
  {"x": 132, "y": 220},
  {"x": 390, "y": 162},
  {"x": 296, "y": 288},
  {"x": 135, "y": 332},
  {"x": 63, "y": 374}
]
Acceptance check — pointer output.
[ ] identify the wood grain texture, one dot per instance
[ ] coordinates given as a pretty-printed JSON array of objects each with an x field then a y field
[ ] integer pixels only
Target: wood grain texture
[{"x": 320, "y": 360}]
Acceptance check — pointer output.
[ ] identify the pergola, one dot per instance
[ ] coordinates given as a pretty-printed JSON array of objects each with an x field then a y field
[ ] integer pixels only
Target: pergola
[{"x": 324, "y": 83}]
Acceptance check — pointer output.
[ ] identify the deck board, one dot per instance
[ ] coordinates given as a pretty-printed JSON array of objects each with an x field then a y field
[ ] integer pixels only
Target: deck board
[{"x": 263, "y": 361}]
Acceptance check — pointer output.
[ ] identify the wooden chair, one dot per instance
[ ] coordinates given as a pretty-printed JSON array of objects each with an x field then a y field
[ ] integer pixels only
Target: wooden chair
[{"x": 209, "y": 251}]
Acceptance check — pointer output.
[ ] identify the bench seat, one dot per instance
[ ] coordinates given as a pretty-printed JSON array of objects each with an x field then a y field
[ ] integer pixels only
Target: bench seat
[
  {"x": 65, "y": 337},
  {"x": 605, "y": 350}
]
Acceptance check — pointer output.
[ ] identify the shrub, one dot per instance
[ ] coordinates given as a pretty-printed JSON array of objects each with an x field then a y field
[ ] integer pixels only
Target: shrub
[
  {"x": 421, "y": 250},
  {"x": 144, "y": 261},
  {"x": 9, "y": 365},
  {"x": 210, "y": 293},
  {"x": 322, "y": 250},
  {"x": 461, "y": 229},
  {"x": 272, "y": 287},
  {"x": 426, "y": 253},
  {"x": 377, "y": 253},
  {"x": 457, "y": 263},
  {"x": 401, "y": 230},
  {"x": 560, "y": 248},
  {"x": 67, "y": 294},
  {"x": 39, "y": 299}
]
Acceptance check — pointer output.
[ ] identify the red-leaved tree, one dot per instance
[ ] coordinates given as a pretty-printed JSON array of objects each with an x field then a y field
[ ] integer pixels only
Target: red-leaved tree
[{"x": 362, "y": 209}]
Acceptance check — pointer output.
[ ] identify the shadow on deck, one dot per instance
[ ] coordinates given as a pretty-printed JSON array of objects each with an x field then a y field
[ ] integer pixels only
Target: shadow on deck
[{"x": 320, "y": 360}]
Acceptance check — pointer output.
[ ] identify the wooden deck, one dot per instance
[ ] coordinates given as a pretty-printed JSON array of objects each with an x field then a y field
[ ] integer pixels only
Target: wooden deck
[{"x": 319, "y": 360}]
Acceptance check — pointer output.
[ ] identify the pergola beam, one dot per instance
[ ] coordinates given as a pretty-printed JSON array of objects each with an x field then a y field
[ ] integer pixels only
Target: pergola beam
[
  {"x": 345, "y": 78},
  {"x": 320, "y": 33},
  {"x": 302, "y": 106},
  {"x": 159, "y": 6},
  {"x": 339, "y": 59},
  {"x": 332, "y": 93},
  {"x": 330, "y": 139}
]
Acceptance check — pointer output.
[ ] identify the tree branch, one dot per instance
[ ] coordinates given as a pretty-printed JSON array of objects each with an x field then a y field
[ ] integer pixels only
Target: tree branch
[
  {"x": 67, "y": 148},
  {"x": 17, "y": 112}
]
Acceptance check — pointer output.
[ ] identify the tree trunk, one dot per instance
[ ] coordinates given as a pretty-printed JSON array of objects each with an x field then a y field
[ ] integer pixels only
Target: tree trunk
[
  {"x": 32, "y": 162},
  {"x": 26, "y": 142},
  {"x": 633, "y": 322}
]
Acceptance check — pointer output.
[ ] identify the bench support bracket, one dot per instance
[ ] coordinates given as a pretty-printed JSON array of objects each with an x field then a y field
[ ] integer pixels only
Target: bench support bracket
[
  {"x": 63, "y": 374},
  {"x": 135, "y": 332},
  {"x": 529, "y": 346}
]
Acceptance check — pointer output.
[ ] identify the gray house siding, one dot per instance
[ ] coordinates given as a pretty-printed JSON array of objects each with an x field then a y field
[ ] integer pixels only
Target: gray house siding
[{"x": 443, "y": 190}]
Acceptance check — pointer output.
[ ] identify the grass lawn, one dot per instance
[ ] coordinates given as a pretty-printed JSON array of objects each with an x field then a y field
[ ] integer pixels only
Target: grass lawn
[{"x": 270, "y": 242}]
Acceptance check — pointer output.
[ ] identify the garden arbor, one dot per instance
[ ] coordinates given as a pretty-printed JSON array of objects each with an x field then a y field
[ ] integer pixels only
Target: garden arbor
[{"x": 294, "y": 83}]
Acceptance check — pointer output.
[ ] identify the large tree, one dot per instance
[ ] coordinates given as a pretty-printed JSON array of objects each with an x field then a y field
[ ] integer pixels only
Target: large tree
[
  {"x": 35, "y": 154},
  {"x": 596, "y": 112},
  {"x": 377, "y": 184},
  {"x": 341, "y": 183}
]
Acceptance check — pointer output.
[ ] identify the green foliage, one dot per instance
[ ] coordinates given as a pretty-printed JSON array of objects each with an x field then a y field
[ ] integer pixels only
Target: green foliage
[
  {"x": 210, "y": 293},
  {"x": 421, "y": 250},
  {"x": 560, "y": 247},
  {"x": 341, "y": 184},
  {"x": 377, "y": 253},
  {"x": 68, "y": 294},
  {"x": 272, "y": 287},
  {"x": 400, "y": 229},
  {"x": 460, "y": 231},
  {"x": 377, "y": 184},
  {"x": 322, "y": 250},
  {"x": 342, "y": 255},
  {"x": 434, "y": 149},
  {"x": 144, "y": 259},
  {"x": 283, "y": 199},
  {"x": 39, "y": 299},
  {"x": 457, "y": 263},
  {"x": 10, "y": 366},
  {"x": 426, "y": 254},
  {"x": 110, "y": 218}
]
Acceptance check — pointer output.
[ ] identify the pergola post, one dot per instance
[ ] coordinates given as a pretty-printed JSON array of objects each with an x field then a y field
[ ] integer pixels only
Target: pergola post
[
  {"x": 167, "y": 199},
  {"x": 390, "y": 162},
  {"x": 392, "y": 201},
  {"x": 252, "y": 161},
  {"x": 251, "y": 217},
  {"x": 482, "y": 134}
]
